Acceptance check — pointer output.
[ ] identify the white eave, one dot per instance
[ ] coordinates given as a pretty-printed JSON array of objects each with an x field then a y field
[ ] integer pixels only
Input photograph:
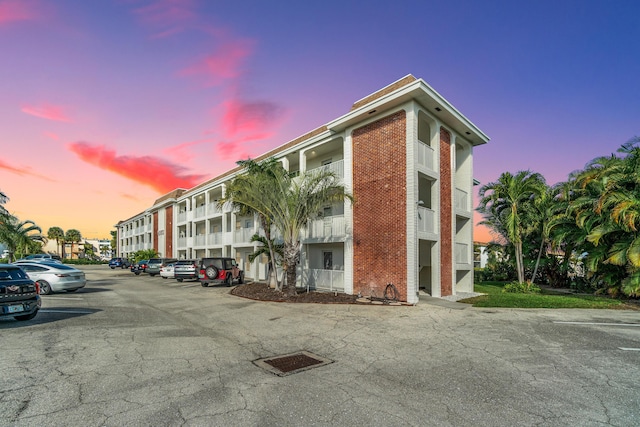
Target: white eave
[{"x": 426, "y": 96}]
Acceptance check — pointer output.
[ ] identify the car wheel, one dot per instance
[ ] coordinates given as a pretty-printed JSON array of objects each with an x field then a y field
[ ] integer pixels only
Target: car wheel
[
  {"x": 229, "y": 280},
  {"x": 45, "y": 288},
  {"x": 137, "y": 273},
  {"x": 151, "y": 274},
  {"x": 164, "y": 277},
  {"x": 179, "y": 280},
  {"x": 26, "y": 316},
  {"x": 241, "y": 278},
  {"x": 204, "y": 284},
  {"x": 211, "y": 272},
  {"x": 113, "y": 268}
]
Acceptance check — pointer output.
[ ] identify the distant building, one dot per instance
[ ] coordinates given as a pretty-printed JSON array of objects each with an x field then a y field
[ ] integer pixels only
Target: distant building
[{"x": 404, "y": 152}]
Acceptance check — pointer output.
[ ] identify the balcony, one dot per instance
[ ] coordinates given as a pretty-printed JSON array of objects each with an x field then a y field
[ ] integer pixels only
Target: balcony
[
  {"x": 462, "y": 253},
  {"x": 199, "y": 240},
  {"x": 336, "y": 167},
  {"x": 213, "y": 209},
  {"x": 462, "y": 200},
  {"x": 243, "y": 235},
  {"x": 425, "y": 155},
  {"x": 324, "y": 280},
  {"x": 182, "y": 242},
  {"x": 200, "y": 211},
  {"x": 330, "y": 227},
  {"x": 214, "y": 239},
  {"x": 182, "y": 216},
  {"x": 426, "y": 220}
]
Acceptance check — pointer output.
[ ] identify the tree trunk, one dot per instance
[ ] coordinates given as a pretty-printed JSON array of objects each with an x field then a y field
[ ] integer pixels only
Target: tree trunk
[
  {"x": 519, "y": 261},
  {"x": 535, "y": 270},
  {"x": 291, "y": 257}
]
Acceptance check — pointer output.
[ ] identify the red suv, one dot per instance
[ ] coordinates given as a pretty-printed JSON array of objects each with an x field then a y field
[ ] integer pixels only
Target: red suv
[{"x": 220, "y": 270}]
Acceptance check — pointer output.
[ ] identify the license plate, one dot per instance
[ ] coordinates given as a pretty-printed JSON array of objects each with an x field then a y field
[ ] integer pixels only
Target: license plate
[{"x": 16, "y": 308}]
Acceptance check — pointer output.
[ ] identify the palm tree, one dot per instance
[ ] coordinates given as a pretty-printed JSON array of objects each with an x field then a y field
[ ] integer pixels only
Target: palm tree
[
  {"x": 289, "y": 204},
  {"x": 504, "y": 203},
  {"x": 244, "y": 194},
  {"x": 3, "y": 199},
  {"x": 56, "y": 233},
  {"x": 20, "y": 237},
  {"x": 72, "y": 236}
]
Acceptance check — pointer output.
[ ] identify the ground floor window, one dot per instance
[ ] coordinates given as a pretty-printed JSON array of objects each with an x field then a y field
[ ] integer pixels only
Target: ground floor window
[{"x": 327, "y": 260}]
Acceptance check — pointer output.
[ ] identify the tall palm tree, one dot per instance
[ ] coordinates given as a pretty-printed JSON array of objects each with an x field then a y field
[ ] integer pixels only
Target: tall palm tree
[
  {"x": 20, "y": 237},
  {"x": 505, "y": 201},
  {"x": 244, "y": 193},
  {"x": 72, "y": 236},
  {"x": 290, "y": 204},
  {"x": 56, "y": 233}
]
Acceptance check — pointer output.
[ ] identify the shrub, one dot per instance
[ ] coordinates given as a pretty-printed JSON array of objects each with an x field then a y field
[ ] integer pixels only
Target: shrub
[{"x": 521, "y": 288}]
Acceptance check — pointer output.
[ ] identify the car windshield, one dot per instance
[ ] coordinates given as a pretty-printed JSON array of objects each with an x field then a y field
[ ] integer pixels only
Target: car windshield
[{"x": 14, "y": 273}]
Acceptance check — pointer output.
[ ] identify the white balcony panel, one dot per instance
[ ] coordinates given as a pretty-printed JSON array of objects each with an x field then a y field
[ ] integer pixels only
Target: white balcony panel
[
  {"x": 462, "y": 200},
  {"x": 200, "y": 240},
  {"x": 425, "y": 155},
  {"x": 182, "y": 242},
  {"x": 182, "y": 217},
  {"x": 213, "y": 209},
  {"x": 327, "y": 227},
  {"x": 200, "y": 211},
  {"x": 214, "y": 239},
  {"x": 324, "y": 280},
  {"x": 462, "y": 253},
  {"x": 243, "y": 235},
  {"x": 426, "y": 220},
  {"x": 336, "y": 167}
]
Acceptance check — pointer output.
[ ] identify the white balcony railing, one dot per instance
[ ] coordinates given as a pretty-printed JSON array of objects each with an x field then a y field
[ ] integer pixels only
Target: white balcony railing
[
  {"x": 336, "y": 167},
  {"x": 214, "y": 238},
  {"x": 327, "y": 227},
  {"x": 200, "y": 211},
  {"x": 324, "y": 280},
  {"x": 462, "y": 200},
  {"x": 213, "y": 209},
  {"x": 200, "y": 240},
  {"x": 182, "y": 242},
  {"x": 243, "y": 235},
  {"x": 182, "y": 216},
  {"x": 462, "y": 253},
  {"x": 425, "y": 155},
  {"x": 426, "y": 220}
]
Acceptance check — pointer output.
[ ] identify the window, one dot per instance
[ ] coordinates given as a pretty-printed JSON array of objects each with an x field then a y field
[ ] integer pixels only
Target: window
[
  {"x": 327, "y": 260},
  {"x": 327, "y": 211}
]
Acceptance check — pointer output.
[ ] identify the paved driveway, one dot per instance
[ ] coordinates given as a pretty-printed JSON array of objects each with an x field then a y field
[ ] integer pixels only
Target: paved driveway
[{"x": 131, "y": 350}]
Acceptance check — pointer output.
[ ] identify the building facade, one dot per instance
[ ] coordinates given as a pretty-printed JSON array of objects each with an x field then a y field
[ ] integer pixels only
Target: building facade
[{"x": 405, "y": 154}]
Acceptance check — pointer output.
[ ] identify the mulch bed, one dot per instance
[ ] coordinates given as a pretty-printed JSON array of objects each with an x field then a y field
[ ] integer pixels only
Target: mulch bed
[{"x": 262, "y": 292}]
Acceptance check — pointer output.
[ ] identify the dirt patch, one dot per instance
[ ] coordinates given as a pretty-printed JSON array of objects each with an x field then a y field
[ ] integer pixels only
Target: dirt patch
[{"x": 262, "y": 292}]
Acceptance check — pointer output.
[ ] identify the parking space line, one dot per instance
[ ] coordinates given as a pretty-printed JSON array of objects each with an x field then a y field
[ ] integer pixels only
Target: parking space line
[
  {"x": 49, "y": 297},
  {"x": 637, "y": 325},
  {"x": 47, "y": 310},
  {"x": 629, "y": 349}
]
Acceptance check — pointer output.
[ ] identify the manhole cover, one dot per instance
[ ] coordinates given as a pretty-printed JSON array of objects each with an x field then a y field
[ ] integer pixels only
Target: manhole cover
[{"x": 293, "y": 363}]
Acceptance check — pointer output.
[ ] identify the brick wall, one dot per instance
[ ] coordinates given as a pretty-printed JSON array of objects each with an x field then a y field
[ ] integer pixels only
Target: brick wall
[
  {"x": 446, "y": 214},
  {"x": 168, "y": 231},
  {"x": 379, "y": 212}
]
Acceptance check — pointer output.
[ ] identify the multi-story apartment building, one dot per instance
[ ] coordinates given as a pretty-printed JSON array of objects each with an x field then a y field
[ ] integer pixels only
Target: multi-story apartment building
[{"x": 406, "y": 155}]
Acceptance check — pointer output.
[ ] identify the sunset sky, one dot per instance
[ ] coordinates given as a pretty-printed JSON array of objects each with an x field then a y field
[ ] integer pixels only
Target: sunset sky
[{"x": 106, "y": 105}]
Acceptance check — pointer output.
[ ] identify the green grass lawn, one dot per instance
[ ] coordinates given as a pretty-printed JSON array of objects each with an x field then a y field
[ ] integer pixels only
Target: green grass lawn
[{"x": 547, "y": 299}]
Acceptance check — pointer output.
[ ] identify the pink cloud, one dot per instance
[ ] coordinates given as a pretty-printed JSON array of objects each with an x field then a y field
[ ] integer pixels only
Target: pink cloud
[
  {"x": 18, "y": 170},
  {"x": 242, "y": 118},
  {"x": 17, "y": 10},
  {"x": 182, "y": 152},
  {"x": 152, "y": 171},
  {"x": 52, "y": 136},
  {"x": 49, "y": 112},
  {"x": 223, "y": 64}
]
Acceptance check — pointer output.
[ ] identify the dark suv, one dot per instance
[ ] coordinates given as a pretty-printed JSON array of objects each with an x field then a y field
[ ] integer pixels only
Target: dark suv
[
  {"x": 119, "y": 262},
  {"x": 155, "y": 264},
  {"x": 139, "y": 267},
  {"x": 186, "y": 269},
  {"x": 19, "y": 295},
  {"x": 220, "y": 270}
]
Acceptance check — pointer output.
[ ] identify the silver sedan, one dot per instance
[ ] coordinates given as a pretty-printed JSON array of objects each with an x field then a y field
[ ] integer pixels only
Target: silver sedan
[{"x": 54, "y": 277}]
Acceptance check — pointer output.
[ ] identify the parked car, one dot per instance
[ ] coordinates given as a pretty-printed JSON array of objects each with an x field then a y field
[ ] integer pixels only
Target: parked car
[
  {"x": 19, "y": 295},
  {"x": 119, "y": 262},
  {"x": 186, "y": 269},
  {"x": 154, "y": 265},
  {"x": 139, "y": 267},
  {"x": 53, "y": 277},
  {"x": 42, "y": 257},
  {"x": 220, "y": 270},
  {"x": 166, "y": 271}
]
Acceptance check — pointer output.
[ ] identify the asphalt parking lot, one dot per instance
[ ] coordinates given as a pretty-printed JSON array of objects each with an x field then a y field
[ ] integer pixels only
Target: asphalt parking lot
[{"x": 136, "y": 350}]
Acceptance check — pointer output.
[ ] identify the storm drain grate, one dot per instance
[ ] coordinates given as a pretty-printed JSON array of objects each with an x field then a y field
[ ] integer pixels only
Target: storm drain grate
[{"x": 293, "y": 363}]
